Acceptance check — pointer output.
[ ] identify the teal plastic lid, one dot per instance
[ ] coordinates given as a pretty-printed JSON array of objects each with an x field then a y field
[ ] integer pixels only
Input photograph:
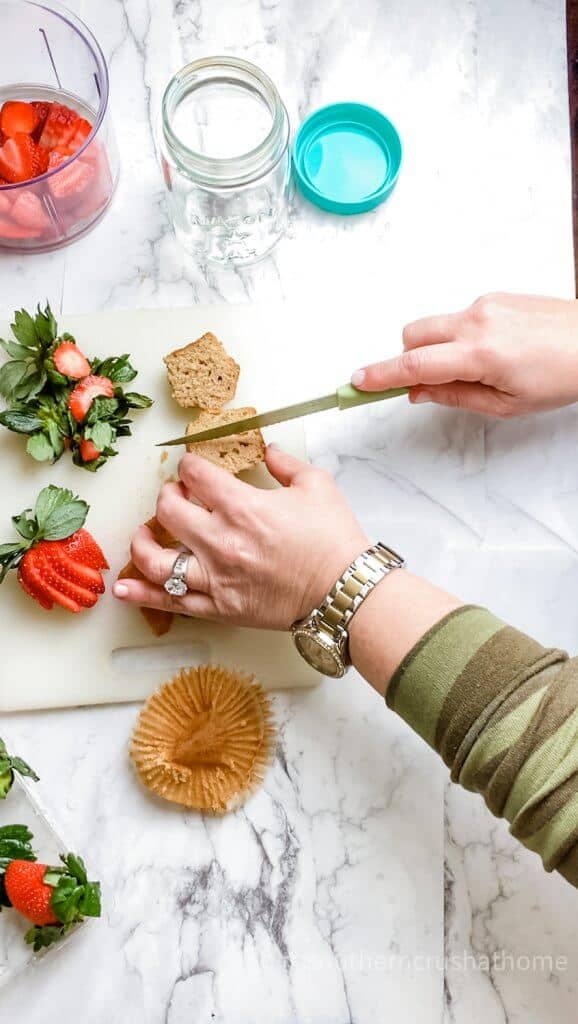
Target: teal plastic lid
[{"x": 347, "y": 157}]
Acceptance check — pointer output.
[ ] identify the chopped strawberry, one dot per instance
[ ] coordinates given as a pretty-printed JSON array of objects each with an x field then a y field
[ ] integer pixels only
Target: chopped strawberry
[
  {"x": 72, "y": 569},
  {"x": 83, "y": 548},
  {"x": 85, "y": 392},
  {"x": 8, "y": 229},
  {"x": 29, "y": 212},
  {"x": 59, "y": 127},
  {"x": 71, "y": 182},
  {"x": 20, "y": 159},
  {"x": 32, "y": 569},
  {"x": 5, "y": 203},
  {"x": 88, "y": 450},
  {"x": 42, "y": 111},
  {"x": 17, "y": 116},
  {"x": 70, "y": 361},
  {"x": 82, "y": 131}
]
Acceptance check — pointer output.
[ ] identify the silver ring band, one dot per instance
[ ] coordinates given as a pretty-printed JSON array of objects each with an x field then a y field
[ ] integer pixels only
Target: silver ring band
[{"x": 176, "y": 585}]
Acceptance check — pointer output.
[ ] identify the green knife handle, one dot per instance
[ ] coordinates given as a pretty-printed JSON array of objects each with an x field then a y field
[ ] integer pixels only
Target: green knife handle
[{"x": 348, "y": 396}]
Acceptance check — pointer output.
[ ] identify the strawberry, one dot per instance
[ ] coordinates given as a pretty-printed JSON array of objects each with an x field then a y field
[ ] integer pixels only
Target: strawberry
[
  {"x": 83, "y": 548},
  {"x": 85, "y": 392},
  {"x": 54, "y": 899},
  {"x": 58, "y": 561},
  {"x": 71, "y": 182},
  {"x": 81, "y": 133},
  {"x": 42, "y": 111},
  {"x": 8, "y": 229},
  {"x": 88, "y": 450},
  {"x": 21, "y": 159},
  {"x": 29, "y": 212},
  {"x": 59, "y": 127},
  {"x": 17, "y": 116},
  {"x": 5, "y": 202},
  {"x": 70, "y": 361},
  {"x": 28, "y": 892}
]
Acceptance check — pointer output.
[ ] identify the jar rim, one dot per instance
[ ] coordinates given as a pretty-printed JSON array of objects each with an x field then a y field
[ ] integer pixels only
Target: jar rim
[
  {"x": 245, "y": 167},
  {"x": 103, "y": 87}
]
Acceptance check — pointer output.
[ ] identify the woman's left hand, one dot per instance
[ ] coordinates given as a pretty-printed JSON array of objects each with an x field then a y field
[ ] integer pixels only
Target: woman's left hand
[{"x": 260, "y": 557}]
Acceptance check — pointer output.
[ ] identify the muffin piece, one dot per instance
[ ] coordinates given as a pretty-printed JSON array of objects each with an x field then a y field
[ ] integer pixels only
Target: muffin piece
[
  {"x": 235, "y": 453},
  {"x": 202, "y": 374},
  {"x": 159, "y": 621}
]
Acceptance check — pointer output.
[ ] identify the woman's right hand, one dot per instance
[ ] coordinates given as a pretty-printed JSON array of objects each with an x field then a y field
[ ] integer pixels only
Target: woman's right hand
[{"x": 505, "y": 355}]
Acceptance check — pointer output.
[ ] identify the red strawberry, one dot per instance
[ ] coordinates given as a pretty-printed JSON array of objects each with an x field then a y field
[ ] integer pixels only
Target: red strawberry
[
  {"x": 85, "y": 392},
  {"x": 42, "y": 111},
  {"x": 72, "y": 569},
  {"x": 8, "y": 229},
  {"x": 28, "y": 893},
  {"x": 52, "y": 578},
  {"x": 33, "y": 587},
  {"x": 20, "y": 159},
  {"x": 70, "y": 361},
  {"x": 32, "y": 569},
  {"x": 17, "y": 116},
  {"x": 29, "y": 212},
  {"x": 88, "y": 450},
  {"x": 81, "y": 133},
  {"x": 71, "y": 182},
  {"x": 59, "y": 127},
  {"x": 83, "y": 548}
]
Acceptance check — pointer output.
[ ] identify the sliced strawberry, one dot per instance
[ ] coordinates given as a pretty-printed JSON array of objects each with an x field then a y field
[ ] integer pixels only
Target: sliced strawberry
[
  {"x": 17, "y": 116},
  {"x": 63, "y": 586},
  {"x": 82, "y": 547},
  {"x": 71, "y": 182},
  {"x": 88, "y": 450},
  {"x": 5, "y": 202},
  {"x": 59, "y": 127},
  {"x": 42, "y": 111},
  {"x": 20, "y": 159},
  {"x": 33, "y": 570},
  {"x": 29, "y": 212},
  {"x": 73, "y": 570},
  {"x": 31, "y": 587},
  {"x": 85, "y": 392},
  {"x": 70, "y": 361},
  {"x": 81, "y": 133},
  {"x": 8, "y": 229}
]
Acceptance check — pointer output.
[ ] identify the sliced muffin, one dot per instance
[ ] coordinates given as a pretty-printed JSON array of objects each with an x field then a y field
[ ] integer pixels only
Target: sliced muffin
[
  {"x": 202, "y": 374},
  {"x": 234, "y": 453}
]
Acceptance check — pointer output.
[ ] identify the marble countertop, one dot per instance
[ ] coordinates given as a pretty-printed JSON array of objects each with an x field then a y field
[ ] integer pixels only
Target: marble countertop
[{"x": 357, "y": 885}]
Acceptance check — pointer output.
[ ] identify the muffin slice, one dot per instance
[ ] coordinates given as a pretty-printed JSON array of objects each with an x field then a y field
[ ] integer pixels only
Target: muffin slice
[
  {"x": 234, "y": 453},
  {"x": 202, "y": 374}
]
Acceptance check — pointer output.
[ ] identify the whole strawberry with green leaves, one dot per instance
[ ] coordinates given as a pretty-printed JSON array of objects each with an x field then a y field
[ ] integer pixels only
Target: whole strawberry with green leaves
[
  {"x": 57, "y": 560},
  {"x": 60, "y": 399},
  {"x": 53, "y": 899}
]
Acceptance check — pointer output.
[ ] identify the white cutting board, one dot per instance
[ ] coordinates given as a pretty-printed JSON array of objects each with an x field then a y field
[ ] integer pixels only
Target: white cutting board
[{"x": 108, "y": 654}]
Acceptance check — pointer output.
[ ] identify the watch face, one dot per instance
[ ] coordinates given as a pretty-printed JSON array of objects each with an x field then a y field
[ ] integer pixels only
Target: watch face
[{"x": 321, "y": 657}]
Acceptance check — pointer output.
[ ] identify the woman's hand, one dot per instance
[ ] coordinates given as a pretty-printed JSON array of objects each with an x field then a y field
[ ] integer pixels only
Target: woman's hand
[
  {"x": 503, "y": 356},
  {"x": 261, "y": 557}
]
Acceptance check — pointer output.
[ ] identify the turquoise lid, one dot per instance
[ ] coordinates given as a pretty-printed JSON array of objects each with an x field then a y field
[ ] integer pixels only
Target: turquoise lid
[{"x": 347, "y": 157}]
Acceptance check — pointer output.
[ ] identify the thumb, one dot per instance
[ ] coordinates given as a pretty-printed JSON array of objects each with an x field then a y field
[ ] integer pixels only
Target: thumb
[{"x": 284, "y": 467}]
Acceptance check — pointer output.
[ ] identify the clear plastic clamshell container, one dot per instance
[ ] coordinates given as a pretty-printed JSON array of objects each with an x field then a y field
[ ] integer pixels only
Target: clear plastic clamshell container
[{"x": 22, "y": 808}]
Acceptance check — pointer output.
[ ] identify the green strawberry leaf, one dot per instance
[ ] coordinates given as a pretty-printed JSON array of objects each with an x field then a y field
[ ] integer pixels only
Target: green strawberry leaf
[
  {"x": 24, "y": 769},
  {"x": 10, "y": 549},
  {"x": 101, "y": 409},
  {"x": 15, "y": 350},
  {"x": 101, "y": 433},
  {"x": 45, "y": 325},
  {"x": 55, "y": 437},
  {"x": 25, "y": 525},
  {"x": 11, "y": 375},
  {"x": 15, "y": 844},
  {"x": 136, "y": 401},
  {"x": 90, "y": 902},
  {"x": 42, "y": 936},
  {"x": 20, "y": 421},
  {"x": 24, "y": 329},
  {"x": 40, "y": 448},
  {"x": 48, "y": 500},
  {"x": 31, "y": 384},
  {"x": 65, "y": 520}
]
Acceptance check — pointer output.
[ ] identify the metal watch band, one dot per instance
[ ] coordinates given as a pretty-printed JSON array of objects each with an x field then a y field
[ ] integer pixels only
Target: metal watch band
[{"x": 355, "y": 584}]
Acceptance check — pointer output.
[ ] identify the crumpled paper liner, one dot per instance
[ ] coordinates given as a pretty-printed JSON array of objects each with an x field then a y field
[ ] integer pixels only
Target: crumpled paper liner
[{"x": 205, "y": 739}]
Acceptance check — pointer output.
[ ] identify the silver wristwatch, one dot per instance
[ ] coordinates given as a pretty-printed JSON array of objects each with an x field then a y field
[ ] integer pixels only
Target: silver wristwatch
[{"x": 322, "y": 638}]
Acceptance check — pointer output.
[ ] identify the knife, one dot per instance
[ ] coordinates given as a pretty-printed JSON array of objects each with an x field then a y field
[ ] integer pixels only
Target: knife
[{"x": 346, "y": 397}]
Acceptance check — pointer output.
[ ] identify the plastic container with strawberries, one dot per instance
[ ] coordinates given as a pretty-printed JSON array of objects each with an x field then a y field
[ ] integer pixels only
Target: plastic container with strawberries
[{"x": 58, "y": 155}]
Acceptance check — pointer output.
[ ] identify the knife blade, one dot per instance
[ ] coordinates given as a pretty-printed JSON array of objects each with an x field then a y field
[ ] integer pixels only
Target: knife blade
[{"x": 346, "y": 397}]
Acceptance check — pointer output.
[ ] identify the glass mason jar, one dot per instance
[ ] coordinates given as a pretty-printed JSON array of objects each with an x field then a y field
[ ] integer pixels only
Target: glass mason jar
[
  {"x": 50, "y": 56},
  {"x": 225, "y": 156}
]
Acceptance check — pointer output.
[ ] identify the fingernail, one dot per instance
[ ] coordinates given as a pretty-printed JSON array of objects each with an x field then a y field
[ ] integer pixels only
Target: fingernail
[
  {"x": 120, "y": 590},
  {"x": 422, "y": 396},
  {"x": 358, "y": 378},
  {"x": 273, "y": 447}
]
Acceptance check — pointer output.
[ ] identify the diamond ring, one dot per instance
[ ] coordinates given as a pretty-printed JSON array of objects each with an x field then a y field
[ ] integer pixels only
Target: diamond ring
[{"x": 176, "y": 585}]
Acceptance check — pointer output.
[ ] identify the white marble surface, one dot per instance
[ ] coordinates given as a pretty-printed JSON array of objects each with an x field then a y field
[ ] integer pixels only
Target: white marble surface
[{"x": 322, "y": 901}]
